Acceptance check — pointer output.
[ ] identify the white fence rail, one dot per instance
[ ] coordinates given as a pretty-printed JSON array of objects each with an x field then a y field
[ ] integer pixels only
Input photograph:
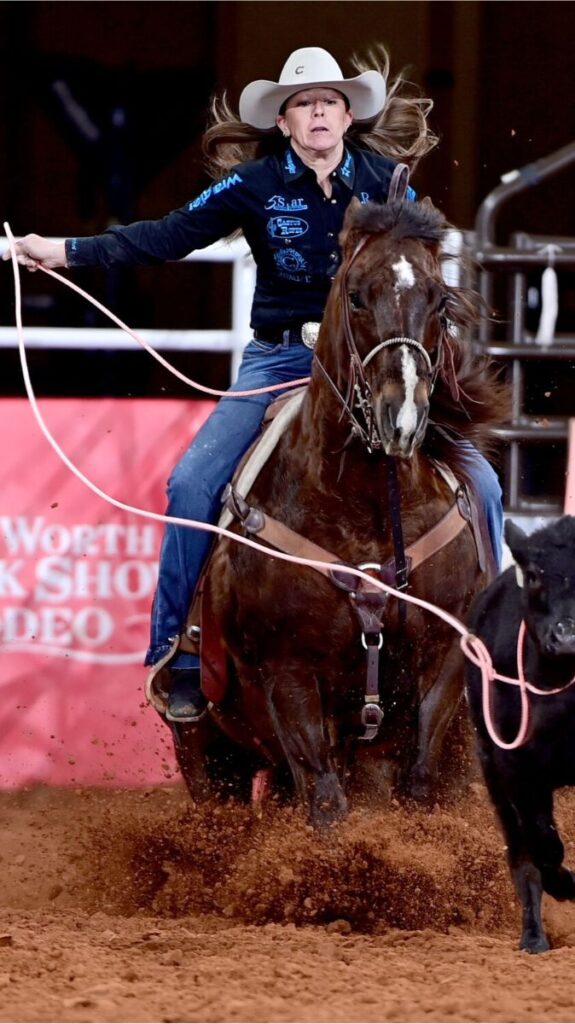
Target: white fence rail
[{"x": 232, "y": 340}]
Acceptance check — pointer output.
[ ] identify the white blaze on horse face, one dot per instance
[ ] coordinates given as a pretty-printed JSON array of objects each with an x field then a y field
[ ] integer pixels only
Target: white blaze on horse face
[
  {"x": 404, "y": 276},
  {"x": 519, "y": 575},
  {"x": 406, "y": 421}
]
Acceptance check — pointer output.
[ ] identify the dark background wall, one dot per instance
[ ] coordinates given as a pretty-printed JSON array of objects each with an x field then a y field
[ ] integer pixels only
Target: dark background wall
[{"x": 102, "y": 106}]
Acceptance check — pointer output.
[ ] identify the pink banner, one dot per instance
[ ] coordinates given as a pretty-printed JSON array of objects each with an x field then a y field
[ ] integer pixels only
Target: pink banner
[{"x": 77, "y": 577}]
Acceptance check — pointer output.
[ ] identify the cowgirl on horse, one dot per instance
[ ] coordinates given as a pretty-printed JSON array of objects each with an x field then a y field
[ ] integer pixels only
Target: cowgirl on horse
[{"x": 285, "y": 173}]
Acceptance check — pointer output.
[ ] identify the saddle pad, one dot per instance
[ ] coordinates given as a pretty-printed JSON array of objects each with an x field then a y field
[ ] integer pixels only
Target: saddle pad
[
  {"x": 263, "y": 450},
  {"x": 447, "y": 475},
  {"x": 211, "y": 650}
]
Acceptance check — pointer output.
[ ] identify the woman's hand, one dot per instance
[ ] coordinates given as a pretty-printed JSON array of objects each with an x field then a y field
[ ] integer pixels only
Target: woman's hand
[{"x": 33, "y": 251}]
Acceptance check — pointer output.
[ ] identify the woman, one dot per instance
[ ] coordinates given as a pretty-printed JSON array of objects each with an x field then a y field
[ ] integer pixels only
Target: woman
[{"x": 284, "y": 175}]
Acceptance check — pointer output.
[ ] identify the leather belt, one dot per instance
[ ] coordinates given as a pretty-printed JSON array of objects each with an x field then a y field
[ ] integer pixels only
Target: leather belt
[
  {"x": 277, "y": 335},
  {"x": 306, "y": 333}
]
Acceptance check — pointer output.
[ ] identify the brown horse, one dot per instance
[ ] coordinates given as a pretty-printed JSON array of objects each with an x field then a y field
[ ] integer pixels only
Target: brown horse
[{"x": 394, "y": 383}]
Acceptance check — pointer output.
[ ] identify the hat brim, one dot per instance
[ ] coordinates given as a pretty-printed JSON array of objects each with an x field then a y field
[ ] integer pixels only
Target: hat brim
[{"x": 260, "y": 101}]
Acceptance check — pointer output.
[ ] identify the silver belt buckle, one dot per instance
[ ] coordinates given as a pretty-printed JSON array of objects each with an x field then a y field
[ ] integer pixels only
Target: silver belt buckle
[{"x": 309, "y": 333}]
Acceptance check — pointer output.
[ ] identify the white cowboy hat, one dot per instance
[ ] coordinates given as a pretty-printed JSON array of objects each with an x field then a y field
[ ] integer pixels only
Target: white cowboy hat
[{"x": 306, "y": 68}]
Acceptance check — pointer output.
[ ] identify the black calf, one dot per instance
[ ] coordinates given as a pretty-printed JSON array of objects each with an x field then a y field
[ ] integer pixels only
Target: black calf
[{"x": 540, "y": 589}]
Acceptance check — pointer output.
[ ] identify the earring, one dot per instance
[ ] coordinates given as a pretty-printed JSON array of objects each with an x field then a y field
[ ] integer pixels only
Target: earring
[{"x": 286, "y": 134}]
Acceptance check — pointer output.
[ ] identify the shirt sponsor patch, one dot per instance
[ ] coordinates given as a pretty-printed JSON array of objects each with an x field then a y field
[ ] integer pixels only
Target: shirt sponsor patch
[
  {"x": 219, "y": 186},
  {"x": 287, "y": 227},
  {"x": 285, "y": 205},
  {"x": 289, "y": 259}
]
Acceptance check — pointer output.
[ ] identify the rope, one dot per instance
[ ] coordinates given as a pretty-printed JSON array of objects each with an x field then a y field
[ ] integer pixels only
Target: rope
[
  {"x": 156, "y": 355},
  {"x": 472, "y": 647}
]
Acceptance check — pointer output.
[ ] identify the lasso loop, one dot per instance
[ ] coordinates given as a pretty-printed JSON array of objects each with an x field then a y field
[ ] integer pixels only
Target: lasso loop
[{"x": 473, "y": 648}]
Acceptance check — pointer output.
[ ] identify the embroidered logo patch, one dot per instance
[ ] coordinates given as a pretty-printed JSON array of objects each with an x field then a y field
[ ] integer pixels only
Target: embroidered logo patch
[
  {"x": 287, "y": 227},
  {"x": 346, "y": 168},
  {"x": 219, "y": 186},
  {"x": 285, "y": 205},
  {"x": 290, "y": 166},
  {"x": 289, "y": 259}
]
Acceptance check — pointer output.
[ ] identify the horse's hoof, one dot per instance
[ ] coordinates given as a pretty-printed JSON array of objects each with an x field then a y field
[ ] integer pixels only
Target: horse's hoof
[
  {"x": 329, "y": 804},
  {"x": 419, "y": 789}
]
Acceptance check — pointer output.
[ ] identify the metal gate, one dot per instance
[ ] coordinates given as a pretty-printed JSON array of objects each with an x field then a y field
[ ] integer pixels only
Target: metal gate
[{"x": 522, "y": 351}]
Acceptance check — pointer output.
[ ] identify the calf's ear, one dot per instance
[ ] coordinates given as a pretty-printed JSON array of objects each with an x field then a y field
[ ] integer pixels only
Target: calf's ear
[{"x": 516, "y": 540}]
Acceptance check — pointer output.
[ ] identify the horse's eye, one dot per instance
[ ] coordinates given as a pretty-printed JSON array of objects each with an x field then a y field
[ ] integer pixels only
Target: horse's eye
[
  {"x": 442, "y": 305},
  {"x": 355, "y": 300}
]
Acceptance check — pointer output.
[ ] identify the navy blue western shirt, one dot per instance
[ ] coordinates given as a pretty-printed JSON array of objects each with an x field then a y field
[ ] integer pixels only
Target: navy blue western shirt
[{"x": 290, "y": 225}]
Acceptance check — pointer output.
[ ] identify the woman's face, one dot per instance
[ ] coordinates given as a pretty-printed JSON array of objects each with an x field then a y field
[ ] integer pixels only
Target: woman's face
[{"x": 316, "y": 120}]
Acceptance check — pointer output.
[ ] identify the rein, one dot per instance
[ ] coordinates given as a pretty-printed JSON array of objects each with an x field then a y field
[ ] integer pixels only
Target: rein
[{"x": 370, "y": 609}]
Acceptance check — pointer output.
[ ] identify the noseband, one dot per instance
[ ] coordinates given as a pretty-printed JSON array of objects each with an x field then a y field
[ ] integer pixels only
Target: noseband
[
  {"x": 359, "y": 396},
  {"x": 401, "y": 341}
]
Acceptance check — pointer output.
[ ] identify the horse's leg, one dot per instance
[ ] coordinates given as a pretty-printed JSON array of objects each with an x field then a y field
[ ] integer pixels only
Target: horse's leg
[
  {"x": 190, "y": 746},
  {"x": 435, "y": 713},
  {"x": 295, "y": 708}
]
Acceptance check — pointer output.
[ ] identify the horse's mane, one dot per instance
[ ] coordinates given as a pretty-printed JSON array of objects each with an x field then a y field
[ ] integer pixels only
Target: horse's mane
[
  {"x": 469, "y": 399},
  {"x": 398, "y": 219},
  {"x": 468, "y": 411}
]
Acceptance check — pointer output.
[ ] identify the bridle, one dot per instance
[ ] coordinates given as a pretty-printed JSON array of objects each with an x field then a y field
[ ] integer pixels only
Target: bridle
[
  {"x": 400, "y": 341},
  {"x": 368, "y": 603},
  {"x": 359, "y": 397}
]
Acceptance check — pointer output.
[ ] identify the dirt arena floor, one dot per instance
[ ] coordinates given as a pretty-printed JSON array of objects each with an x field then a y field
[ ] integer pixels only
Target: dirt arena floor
[{"x": 134, "y": 906}]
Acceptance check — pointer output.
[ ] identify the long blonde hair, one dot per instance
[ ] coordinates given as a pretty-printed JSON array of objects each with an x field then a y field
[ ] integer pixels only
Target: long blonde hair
[{"x": 400, "y": 132}]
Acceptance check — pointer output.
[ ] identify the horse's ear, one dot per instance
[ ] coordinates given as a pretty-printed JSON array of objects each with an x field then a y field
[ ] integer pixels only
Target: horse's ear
[
  {"x": 427, "y": 203},
  {"x": 352, "y": 209}
]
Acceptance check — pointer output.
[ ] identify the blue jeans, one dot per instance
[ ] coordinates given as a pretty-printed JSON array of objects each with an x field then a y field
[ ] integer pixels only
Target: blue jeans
[{"x": 196, "y": 484}]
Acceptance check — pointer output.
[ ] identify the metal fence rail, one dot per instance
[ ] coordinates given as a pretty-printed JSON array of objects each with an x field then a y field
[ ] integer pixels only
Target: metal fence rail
[{"x": 527, "y": 252}]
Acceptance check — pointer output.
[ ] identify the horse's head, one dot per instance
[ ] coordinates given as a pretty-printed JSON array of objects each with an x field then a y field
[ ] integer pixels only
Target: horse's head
[{"x": 390, "y": 298}]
